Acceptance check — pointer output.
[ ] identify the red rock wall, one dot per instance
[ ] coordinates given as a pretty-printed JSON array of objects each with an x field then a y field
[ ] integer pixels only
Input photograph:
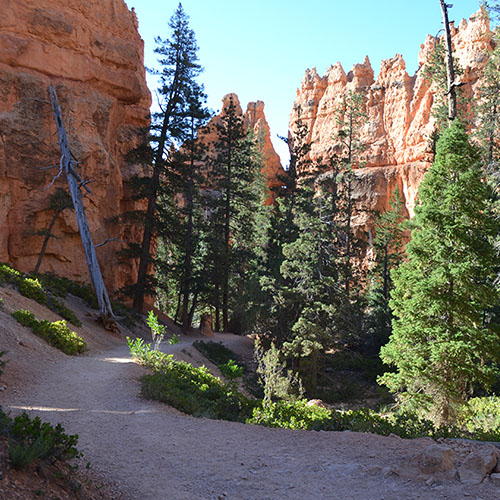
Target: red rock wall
[
  {"x": 93, "y": 53},
  {"x": 398, "y": 107}
]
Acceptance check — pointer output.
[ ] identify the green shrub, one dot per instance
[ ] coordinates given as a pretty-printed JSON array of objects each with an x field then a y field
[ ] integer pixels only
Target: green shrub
[
  {"x": 296, "y": 415},
  {"x": 44, "y": 288},
  {"x": 482, "y": 415},
  {"x": 189, "y": 389},
  {"x": 55, "y": 333},
  {"x": 2, "y": 362},
  {"x": 216, "y": 352},
  {"x": 9, "y": 275},
  {"x": 32, "y": 288},
  {"x": 30, "y": 439},
  {"x": 60, "y": 286},
  {"x": 231, "y": 370},
  {"x": 25, "y": 317},
  {"x": 59, "y": 308}
]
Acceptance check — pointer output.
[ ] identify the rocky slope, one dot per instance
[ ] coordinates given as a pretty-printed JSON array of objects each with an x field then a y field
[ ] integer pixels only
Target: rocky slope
[
  {"x": 399, "y": 115},
  {"x": 92, "y": 52}
]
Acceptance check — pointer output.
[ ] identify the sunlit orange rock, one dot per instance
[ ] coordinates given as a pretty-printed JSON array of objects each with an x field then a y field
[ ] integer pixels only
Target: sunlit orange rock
[
  {"x": 93, "y": 53},
  {"x": 254, "y": 119},
  {"x": 399, "y": 115}
]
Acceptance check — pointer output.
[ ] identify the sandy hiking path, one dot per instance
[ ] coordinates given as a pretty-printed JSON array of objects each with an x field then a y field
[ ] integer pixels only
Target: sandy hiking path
[
  {"x": 154, "y": 452},
  {"x": 146, "y": 450}
]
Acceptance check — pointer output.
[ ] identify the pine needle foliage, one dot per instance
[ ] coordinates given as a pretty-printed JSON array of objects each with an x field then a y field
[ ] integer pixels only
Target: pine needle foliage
[{"x": 444, "y": 343}]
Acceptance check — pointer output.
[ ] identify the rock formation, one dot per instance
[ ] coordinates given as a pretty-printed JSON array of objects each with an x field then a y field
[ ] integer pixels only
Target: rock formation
[
  {"x": 93, "y": 53},
  {"x": 399, "y": 120},
  {"x": 255, "y": 119}
]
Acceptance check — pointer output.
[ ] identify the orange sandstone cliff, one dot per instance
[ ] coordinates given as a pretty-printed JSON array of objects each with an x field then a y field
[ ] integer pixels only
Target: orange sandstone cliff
[
  {"x": 255, "y": 120},
  {"x": 92, "y": 52},
  {"x": 399, "y": 116}
]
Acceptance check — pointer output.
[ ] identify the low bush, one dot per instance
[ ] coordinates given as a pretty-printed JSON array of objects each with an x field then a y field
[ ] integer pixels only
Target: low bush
[
  {"x": 189, "y": 389},
  {"x": 482, "y": 415},
  {"x": 296, "y": 415},
  {"x": 30, "y": 439},
  {"x": 55, "y": 333},
  {"x": 231, "y": 370},
  {"x": 44, "y": 289},
  {"x": 2, "y": 362},
  {"x": 216, "y": 352},
  {"x": 60, "y": 286},
  {"x": 59, "y": 308},
  {"x": 9, "y": 275}
]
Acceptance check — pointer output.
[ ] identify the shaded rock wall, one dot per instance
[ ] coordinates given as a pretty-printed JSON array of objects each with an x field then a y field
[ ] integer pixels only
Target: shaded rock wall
[
  {"x": 93, "y": 53},
  {"x": 399, "y": 115}
]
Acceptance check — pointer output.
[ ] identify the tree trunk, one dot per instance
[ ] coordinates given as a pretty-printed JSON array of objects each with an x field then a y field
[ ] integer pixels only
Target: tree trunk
[
  {"x": 227, "y": 236},
  {"x": 74, "y": 183},
  {"x": 186, "y": 321},
  {"x": 46, "y": 240},
  {"x": 450, "y": 71}
]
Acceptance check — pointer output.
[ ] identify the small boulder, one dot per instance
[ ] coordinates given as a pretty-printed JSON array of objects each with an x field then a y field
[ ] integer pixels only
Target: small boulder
[
  {"x": 436, "y": 460},
  {"x": 478, "y": 464}
]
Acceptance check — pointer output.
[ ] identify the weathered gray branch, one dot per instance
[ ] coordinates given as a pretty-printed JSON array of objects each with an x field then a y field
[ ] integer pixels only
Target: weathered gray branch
[
  {"x": 106, "y": 241},
  {"x": 74, "y": 182},
  {"x": 450, "y": 71}
]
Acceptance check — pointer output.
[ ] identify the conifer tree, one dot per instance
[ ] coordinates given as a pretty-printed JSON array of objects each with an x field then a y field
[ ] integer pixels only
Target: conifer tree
[
  {"x": 236, "y": 194},
  {"x": 180, "y": 218},
  {"x": 388, "y": 247},
  {"x": 180, "y": 68},
  {"x": 278, "y": 314},
  {"x": 443, "y": 343}
]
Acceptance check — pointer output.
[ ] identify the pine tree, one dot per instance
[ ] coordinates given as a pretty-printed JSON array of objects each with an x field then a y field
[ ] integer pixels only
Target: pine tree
[
  {"x": 180, "y": 68},
  {"x": 388, "y": 247},
  {"x": 488, "y": 108},
  {"x": 443, "y": 343},
  {"x": 180, "y": 218},
  {"x": 234, "y": 202},
  {"x": 278, "y": 314}
]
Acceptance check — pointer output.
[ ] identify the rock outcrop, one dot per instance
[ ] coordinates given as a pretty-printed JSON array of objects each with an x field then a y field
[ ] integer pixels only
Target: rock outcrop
[
  {"x": 93, "y": 53},
  {"x": 254, "y": 119},
  {"x": 398, "y": 107}
]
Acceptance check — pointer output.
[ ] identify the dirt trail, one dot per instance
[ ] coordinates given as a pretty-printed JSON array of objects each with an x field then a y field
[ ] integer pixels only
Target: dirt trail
[{"x": 153, "y": 452}]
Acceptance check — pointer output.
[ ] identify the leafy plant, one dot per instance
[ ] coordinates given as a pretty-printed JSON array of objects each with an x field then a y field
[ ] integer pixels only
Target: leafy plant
[
  {"x": 55, "y": 333},
  {"x": 189, "y": 389},
  {"x": 2, "y": 362},
  {"x": 30, "y": 439},
  {"x": 9, "y": 275},
  {"x": 277, "y": 381},
  {"x": 157, "y": 329},
  {"x": 216, "y": 352},
  {"x": 32, "y": 288},
  {"x": 231, "y": 370}
]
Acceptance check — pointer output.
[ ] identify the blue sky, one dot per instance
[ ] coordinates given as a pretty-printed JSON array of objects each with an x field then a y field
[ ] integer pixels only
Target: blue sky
[{"x": 260, "y": 49}]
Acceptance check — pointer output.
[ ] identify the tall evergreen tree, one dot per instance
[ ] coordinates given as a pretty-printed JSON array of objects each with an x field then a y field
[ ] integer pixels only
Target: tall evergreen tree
[
  {"x": 388, "y": 247},
  {"x": 236, "y": 194},
  {"x": 180, "y": 214},
  {"x": 180, "y": 68},
  {"x": 278, "y": 314},
  {"x": 443, "y": 342}
]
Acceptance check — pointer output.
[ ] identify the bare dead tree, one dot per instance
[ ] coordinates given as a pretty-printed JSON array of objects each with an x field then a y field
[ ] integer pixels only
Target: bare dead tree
[
  {"x": 68, "y": 165},
  {"x": 450, "y": 70}
]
